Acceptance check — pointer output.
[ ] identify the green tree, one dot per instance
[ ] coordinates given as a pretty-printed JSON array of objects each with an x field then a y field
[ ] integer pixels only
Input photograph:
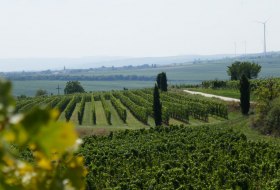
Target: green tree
[
  {"x": 162, "y": 81},
  {"x": 237, "y": 69},
  {"x": 157, "y": 107},
  {"x": 244, "y": 94},
  {"x": 272, "y": 120},
  {"x": 41, "y": 92},
  {"x": 73, "y": 87}
]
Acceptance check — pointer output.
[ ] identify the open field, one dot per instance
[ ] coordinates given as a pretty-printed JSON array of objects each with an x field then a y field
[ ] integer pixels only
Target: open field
[
  {"x": 176, "y": 73},
  {"x": 29, "y": 88}
]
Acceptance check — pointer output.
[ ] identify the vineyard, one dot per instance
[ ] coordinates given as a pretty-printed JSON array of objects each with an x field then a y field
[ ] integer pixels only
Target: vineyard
[
  {"x": 129, "y": 108},
  {"x": 210, "y": 157},
  {"x": 209, "y": 154}
]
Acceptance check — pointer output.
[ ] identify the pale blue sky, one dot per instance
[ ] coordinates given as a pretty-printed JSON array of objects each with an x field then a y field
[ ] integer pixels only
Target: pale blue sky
[{"x": 76, "y": 28}]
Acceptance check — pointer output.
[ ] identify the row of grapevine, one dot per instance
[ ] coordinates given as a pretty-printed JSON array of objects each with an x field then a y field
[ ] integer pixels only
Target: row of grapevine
[
  {"x": 30, "y": 105},
  {"x": 196, "y": 109},
  {"x": 147, "y": 104},
  {"x": 93, "y": 110},
  {"x": 106, "y": 109},
  {"x": 213, "y": 107},
  {"x": 140, "y": 101},
  {"x": 61, "y": 105},
  {"x": 139, "y": 112},
  {"x": 119, "y": 107},
  {"x": 54, "y": 102},
  {"x": 176, "y": 108},
  {"x": 81, "y": 110},
  {"x": 22, "y": 103},
  {"x": 70, "y": 107}
]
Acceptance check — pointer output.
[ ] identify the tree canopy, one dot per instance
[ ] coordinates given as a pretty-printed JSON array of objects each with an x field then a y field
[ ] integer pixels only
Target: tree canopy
[
  {"x": 244, "y": 95},
  {"x": 73, "y": 87},
  {"x": 41, "y": 92},
  {"x": 162, "y": 81},
  {"x": 157, "y": 107},
  {"x": 237, "y": 69}
]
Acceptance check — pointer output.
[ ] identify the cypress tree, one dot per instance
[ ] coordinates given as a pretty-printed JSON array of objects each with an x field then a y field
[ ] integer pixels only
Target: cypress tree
[
  {"x": 157, "y": 107},
  {"x": 159, "y": 80},
  {"x": 244, "y": 95},
  {"x": 163, "y": 82}
]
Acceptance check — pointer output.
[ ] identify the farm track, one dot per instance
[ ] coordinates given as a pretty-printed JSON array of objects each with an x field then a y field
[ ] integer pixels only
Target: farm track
[{"x": 227, "y": 99}]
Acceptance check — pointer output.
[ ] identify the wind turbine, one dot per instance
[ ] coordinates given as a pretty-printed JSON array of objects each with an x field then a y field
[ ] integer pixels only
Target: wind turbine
[{"x": 264, "y": 35}]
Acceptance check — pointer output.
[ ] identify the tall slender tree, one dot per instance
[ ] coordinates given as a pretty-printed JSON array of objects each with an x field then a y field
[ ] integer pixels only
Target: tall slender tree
[
  {"x": 157, "y": 107},
  {"x": 244, "y": 94},
  {"x": 162, "y": 81},
  {"x": 159, "y": 80}
]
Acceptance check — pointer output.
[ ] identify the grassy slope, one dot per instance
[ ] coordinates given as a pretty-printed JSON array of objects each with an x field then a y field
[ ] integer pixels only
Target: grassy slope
[
  {"x": 62, "y": 117},
  {"x": 115, "y": 119},
  {"x": 100, "y": 114},
  {"x": 87, "y": 119},
  {"x": 74, "y": 117}
]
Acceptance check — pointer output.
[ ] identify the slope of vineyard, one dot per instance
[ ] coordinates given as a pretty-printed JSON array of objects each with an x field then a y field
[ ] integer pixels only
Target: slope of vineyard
[{"x": 129, "y": 109}]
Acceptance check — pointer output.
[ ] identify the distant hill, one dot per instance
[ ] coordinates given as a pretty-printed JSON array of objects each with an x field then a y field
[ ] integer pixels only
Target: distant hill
[{"x": 39, "y": 64}]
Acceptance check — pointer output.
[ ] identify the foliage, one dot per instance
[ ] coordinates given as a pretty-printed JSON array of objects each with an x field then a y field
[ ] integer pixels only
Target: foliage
[
  {"x": 157, "y": 107},
  {"x": 51, "y": 145},
  {"x": 273, "y": 118},
  {"x": 62, "y": 104},
  {"x": 267, "y": 94},
  {"x": 237, "y": 69},
  {"x": 179, "y": 157},
  {"x": 244, "y": 95},
  {"x": 93, "y": 110},
  {"x": 106, "y": 109},
  {"x": 70, "y": 107},
  {"x": 119, "y": 107},
  {"x": 73, "y": 87},
  {"x": 41, "y": 92},
  {"x": 81, "y": 110},
  {"x": 139, "y": 112},
  {"x": 162, "y": 81}
]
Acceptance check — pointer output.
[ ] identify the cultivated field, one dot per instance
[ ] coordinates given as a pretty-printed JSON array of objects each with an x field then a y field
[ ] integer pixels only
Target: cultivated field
[{"x": 129, "y": 109}]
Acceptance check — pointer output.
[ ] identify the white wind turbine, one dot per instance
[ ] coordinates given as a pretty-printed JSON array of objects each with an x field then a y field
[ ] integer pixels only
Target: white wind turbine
[{"x": 264, "y": 35}]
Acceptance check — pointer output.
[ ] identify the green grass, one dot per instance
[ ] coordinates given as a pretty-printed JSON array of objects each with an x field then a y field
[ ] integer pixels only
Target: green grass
[
  {"x": 62, "y": 117},
  {"x": 87, "y": 118},
  {"x": 74, "y": 117},
  {"x": 29, "y": 88},
  {"x": 100, "y": 114},
  {"x": 115, "y": 119},
  {"x": 132, "y": 122}
]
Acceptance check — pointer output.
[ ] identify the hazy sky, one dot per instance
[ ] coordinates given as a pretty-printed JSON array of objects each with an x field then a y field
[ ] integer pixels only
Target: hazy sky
[{"x": 76, "y": 28}]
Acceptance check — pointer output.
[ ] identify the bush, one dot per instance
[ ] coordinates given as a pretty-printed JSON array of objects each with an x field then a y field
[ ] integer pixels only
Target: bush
[
  {"x": 273, "y": 118},
  {"x": 37, "y": 152}
]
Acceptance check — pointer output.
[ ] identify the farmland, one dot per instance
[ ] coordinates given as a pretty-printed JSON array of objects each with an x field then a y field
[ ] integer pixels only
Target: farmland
[
  {"x": 202, "y": 144},
  {"x": 179, "y": 73},
  {"x": 129, "y": 109}
]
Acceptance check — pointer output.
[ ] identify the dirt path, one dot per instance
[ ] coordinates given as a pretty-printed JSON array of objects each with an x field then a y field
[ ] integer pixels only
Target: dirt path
[{"x": 213, "y": 96}]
